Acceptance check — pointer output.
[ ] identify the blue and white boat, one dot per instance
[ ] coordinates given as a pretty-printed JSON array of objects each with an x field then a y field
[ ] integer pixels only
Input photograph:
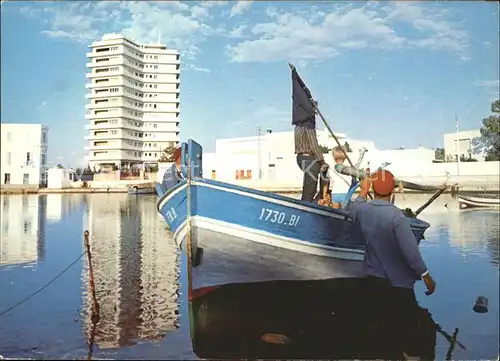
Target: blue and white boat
[{"x": 234, "y": 234}]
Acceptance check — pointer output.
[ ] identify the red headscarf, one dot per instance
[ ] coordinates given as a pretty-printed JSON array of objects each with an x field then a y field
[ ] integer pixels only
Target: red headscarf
[{"x": 383, "y": 182}]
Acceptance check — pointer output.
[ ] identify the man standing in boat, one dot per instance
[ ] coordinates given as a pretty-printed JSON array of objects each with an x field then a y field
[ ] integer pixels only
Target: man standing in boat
[
  {"x": 392, "y": 261},
  {"x": 309, "y": 155},
  {"x": 173, "y": 175}
]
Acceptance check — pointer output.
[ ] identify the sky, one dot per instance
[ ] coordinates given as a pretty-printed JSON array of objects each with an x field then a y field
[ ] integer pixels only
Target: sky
[{"x": 392, "y": 72}]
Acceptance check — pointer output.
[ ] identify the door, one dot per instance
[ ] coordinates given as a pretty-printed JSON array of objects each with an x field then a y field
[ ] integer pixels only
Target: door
[{"x": 26, "y": 178}]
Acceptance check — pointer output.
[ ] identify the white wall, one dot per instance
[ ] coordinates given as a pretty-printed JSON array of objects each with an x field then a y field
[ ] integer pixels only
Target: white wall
[
  {"x": 469, "y": 144},
  {"x": 17, "y": 140},
  {"x": 59, "y": 178},
  {"x": 278, "y": 149}
]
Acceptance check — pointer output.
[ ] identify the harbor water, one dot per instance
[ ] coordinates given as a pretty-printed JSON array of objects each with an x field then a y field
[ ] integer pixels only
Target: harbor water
[{"x": 141, "y": 278}]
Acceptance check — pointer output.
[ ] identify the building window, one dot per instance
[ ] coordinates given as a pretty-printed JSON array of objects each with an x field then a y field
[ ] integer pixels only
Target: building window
[
  {"x": 44, "y": 137},
  {"x": 26, "y": 178},
  {"x": 9, "y": 158},
  {"x": 6, "y": 178},
  {"x": 44, "y": 159},
  {"x": 213, "y": 174},
  {"x": 249, "y": 174},
  {"x": 28, "y": 157}
]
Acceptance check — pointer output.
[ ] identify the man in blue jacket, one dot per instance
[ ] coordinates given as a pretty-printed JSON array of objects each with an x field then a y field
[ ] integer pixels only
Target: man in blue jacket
[
  {"x": 392, "y": 261},
  {"x": 173, "y": 175}
]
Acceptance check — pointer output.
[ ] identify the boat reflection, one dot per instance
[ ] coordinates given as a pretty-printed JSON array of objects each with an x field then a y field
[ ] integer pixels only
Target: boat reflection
[
  {"x": 135, "y": 271},
  {"x": 324, "y": 319}
]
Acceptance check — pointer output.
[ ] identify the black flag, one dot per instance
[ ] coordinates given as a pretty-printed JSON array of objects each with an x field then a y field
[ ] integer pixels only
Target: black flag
[{"x": 302, "y": 109}]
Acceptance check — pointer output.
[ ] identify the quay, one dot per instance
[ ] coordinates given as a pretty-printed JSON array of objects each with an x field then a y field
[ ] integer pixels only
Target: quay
[{"x": 465, "y": 184}]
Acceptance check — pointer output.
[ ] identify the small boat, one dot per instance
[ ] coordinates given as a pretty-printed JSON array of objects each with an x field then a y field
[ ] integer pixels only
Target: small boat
[
  {"x": 326, "y": 320},
  {"x": 465, "y": 202},
  {"x": 235, "y": 234},
  {"x": 137, "y": 190}
]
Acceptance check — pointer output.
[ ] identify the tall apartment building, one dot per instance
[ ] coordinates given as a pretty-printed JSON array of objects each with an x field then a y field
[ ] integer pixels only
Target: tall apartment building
[
  {"x": 133, "y": 109},
  {"x": 23, "y": 154}
]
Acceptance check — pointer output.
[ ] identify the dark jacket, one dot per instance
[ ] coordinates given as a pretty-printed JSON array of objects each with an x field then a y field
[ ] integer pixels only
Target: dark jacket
[
  {"x": 171, "y": 178},
  {"x": 391, "y": 248}
]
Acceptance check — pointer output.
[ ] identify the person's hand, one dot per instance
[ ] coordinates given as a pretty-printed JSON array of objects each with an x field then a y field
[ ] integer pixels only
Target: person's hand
[
  {"x": 430, "y": 284},
  {"x": 365, "y": 184},
  {"x": 324, "y": 167}
]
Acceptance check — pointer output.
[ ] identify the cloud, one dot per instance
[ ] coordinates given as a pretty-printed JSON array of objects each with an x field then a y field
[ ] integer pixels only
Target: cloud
[
  {"x": 240, "y": 7},
  {"x": 311, "y": 34},
  {"x": 317, "y": 36},
  {"x": 197, "y": 68},
  {"x": 491, "y": 88},
  {"x": 487, "y": 83},
  {"x": 238, "y": 31},
  {"x": 184, "y": 25},
  {"x": 42, "y": 104}
]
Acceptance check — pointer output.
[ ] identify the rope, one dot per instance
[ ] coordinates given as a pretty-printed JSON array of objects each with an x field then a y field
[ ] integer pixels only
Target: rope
[{"x": 42, "y": 288}]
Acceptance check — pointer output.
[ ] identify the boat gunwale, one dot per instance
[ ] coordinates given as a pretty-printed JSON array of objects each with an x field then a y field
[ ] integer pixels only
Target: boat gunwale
[
  {"x": 415, "y": 223},
  {"x": 479, "y": 200}
]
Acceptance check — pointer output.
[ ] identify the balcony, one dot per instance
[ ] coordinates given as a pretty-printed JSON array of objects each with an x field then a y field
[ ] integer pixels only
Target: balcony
[
  {"x": 109, "y": 146},
  {"x": 105, "y": 74},
  {"x": 106, "y": 135},
  {"x": 94, "y": 54},
  {"x": 114, "y": 113},
  {"x": 117, "y": 102}
]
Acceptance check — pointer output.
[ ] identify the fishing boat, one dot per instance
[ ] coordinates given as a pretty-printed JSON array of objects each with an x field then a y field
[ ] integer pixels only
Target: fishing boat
[
  {"x": 235, "y": 234},
  {"x": 139, "y": 189},
  {"x": 326, "y": 319},
  {"x": 466, "y": 202}
]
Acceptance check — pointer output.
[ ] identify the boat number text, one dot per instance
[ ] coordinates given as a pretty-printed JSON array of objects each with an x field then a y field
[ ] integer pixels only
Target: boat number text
[
  {"x": 272, "y": 216},
  {"x": 171, "y": 215}
]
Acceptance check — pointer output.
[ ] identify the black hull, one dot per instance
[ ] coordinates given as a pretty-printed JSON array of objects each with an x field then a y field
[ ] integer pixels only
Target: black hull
[{"x": 419, "y": 187}]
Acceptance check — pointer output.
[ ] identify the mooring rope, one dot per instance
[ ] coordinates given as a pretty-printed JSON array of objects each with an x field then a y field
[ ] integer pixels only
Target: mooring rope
[{"x": 42, "y": 288}]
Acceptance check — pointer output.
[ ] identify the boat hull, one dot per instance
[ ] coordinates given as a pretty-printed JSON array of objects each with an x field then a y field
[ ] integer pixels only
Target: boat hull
[
  {"x": 222, "y": 254},
  {"x": 250, "y": 236},
  {"x": 138, "y": 191},
  {"x": 466, "y": 202}
]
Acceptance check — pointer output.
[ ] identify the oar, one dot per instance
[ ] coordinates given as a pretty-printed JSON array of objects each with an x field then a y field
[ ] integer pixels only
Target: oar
[{"x": 432, "y": 199}]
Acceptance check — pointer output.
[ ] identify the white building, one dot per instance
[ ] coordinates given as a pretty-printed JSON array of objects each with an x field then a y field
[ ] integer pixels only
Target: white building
[
  {"x": 133, "y": 101},
  {"x": 467, "y": 143},
  {"x": 272, "y": 155},
  {"x": 24, "y": 154},
  {"x": 60, "y": 177}
]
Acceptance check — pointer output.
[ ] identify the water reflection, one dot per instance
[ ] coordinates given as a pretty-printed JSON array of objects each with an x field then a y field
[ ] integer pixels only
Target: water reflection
[
  {"x": 137, "y": 280},
  {"x": 135, "y": 271},
  {"x": 297, "y": 319},
  {"x": 23, "y": 229},
  {"x": 61, "y": 205}
]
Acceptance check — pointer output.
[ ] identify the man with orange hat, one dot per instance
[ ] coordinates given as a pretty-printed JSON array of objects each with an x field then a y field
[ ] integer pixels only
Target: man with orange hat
[
  {"x": 173, "y": 175},
  {"x": 392, "y": 261}
]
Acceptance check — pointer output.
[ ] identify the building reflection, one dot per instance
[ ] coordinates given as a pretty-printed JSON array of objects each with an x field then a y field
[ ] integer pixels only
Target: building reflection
[
  {"x": 135, "y": 271},
  {"x": 23, "y": 229},
  {"x": 61, "y": 205}
]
